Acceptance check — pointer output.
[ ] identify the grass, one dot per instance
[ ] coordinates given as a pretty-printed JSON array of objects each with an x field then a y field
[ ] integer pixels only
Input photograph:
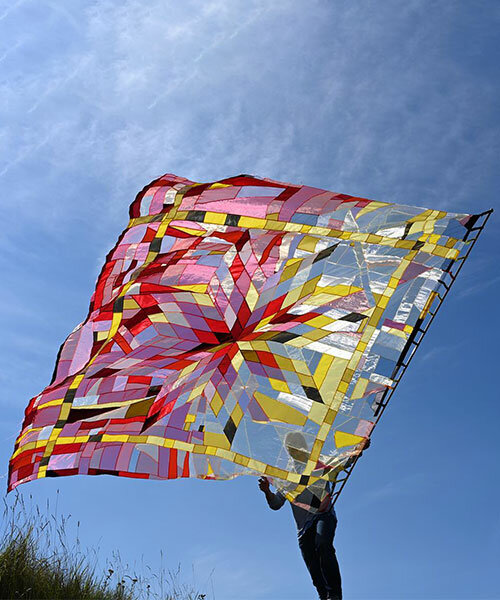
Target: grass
[{"x": 39, "y": 562}]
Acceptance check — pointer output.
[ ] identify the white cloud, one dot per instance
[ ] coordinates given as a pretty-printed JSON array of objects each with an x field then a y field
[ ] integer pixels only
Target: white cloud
[
  {"x": 360, "y": 100},
  {"x": 9, "y": 8},
  {"x": 387, "y": 100}
]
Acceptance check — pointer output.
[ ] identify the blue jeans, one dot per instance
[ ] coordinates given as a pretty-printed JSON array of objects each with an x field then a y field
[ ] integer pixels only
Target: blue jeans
[{"x": 316, "y": 545}]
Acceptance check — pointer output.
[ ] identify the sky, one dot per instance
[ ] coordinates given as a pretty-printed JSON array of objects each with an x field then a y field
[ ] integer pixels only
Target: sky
[{"x": 389, "y": 100}]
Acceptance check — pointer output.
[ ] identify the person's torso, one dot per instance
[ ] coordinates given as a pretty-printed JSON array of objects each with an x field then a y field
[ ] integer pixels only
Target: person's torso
[{"x": 314, "y": 501}]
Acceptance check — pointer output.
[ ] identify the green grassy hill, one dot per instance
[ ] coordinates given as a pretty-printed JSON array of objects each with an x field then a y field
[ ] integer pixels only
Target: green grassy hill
[{"x": 38, "y": 563}]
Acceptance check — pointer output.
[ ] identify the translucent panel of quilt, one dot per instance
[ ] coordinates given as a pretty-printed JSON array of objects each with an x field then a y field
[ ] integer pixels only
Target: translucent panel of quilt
[{"x": 228, "y": 315}]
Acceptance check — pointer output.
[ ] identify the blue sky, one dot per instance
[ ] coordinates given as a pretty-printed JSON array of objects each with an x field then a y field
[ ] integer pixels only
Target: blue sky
[{"x": 396, "y": 101}]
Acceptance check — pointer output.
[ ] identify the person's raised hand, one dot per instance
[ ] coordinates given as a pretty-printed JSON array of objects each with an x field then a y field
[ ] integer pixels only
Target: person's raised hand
[
  {"x": 362, "y": 446},
  {"x": 264, "y": 484},
  {"x": 365, "y": 444}
]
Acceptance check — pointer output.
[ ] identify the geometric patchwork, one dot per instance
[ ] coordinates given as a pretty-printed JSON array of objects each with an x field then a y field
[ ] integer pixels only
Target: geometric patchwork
[{"x": 230, "y": 314}]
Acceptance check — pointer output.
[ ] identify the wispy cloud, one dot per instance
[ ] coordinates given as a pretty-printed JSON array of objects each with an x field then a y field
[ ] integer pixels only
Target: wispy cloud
[
  {"x": 390, "y": 100},
  {"x": 480, "y": 287},
  {"x": 395, "y": 487},
  {"x": 219, "y": 88},
  {"x": 11, "y": 7},
  {"x": 30, "y": 148},
  {"x": 9, "y": 51},
  {"x": 56, "y": 84}
]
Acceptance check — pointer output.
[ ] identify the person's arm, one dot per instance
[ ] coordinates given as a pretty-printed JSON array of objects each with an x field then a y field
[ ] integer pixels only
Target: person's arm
[
  {"x": 275, "y": 501},
  {"x": 341, "y": 462},
  {"x": 357, "y": 452}
]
